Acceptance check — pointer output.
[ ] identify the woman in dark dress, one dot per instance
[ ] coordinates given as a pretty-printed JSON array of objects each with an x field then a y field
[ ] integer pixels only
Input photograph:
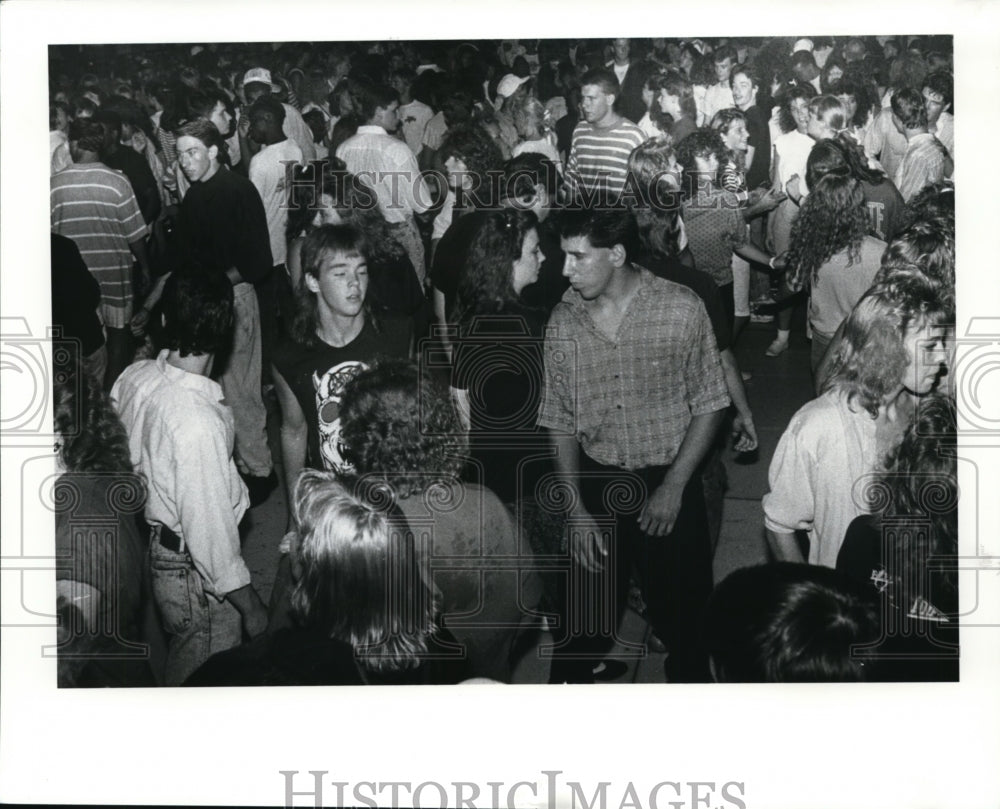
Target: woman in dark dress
[{"x": 497, "y": 371}]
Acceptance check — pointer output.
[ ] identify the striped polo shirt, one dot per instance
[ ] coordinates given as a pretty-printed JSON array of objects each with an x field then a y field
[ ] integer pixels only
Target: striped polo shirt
[
  {"x": 95, "y": 207},
  {"x": 598, "y": 158}
]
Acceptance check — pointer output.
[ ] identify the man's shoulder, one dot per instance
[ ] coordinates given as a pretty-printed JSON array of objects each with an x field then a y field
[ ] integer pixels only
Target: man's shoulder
[{"x": 663, "y": 291}]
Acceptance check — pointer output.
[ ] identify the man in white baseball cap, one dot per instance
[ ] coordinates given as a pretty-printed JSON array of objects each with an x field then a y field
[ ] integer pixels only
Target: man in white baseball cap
[{"x": 257, "y": 83}]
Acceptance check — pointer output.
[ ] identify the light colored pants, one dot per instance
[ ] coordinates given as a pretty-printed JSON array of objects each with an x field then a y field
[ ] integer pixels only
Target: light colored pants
[
  {"x": 197, "y": 624},
  {"x": 241, "y": 384},
  {"x": 741, "y": 286}
]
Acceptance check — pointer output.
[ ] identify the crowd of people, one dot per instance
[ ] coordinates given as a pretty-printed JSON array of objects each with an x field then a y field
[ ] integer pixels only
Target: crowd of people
[{"x": 494, "y": 289}]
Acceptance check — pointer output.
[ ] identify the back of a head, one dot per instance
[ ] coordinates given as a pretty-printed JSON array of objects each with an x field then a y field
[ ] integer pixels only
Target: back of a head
[
  {"x": 526, "y": 171},
  {"x": 87, "y": 134},
  {"x": 372, "y": 96},
  {"x": 788, "y": 622},
  {"x": 197, "y": 312},
  {"x": 359, "y": 582},
  {"x": 908, "y": 106}
]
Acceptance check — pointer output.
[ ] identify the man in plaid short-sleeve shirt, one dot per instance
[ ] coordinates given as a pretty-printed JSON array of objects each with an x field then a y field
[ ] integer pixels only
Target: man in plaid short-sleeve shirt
[{"x": 634, "y": 394}]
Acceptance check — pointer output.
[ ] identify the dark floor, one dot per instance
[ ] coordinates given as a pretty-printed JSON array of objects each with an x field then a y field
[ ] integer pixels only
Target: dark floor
[{"x": 779, "y": 387}]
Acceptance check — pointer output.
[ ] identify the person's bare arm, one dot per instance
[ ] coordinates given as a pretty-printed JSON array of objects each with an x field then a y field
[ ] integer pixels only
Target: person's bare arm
[
  {"x": 660, "y": 512},
  {"x": 294, "y": 435},
  {"x": 743, "y": 426},
  {"x": 784, "y": 546},
  {"x": 248, "y": 602},
  {"x": 586, "y": 544}
]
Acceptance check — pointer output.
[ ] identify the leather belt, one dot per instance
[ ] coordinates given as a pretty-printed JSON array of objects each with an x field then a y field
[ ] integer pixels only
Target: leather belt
[{"x": 167, "y": 538}]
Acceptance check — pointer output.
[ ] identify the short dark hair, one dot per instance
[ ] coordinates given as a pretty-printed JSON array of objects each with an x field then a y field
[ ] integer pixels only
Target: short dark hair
[
  {"x": 524, "y": 172},
  {"x": 271, "y": 106},
  {"x": 746, "y": 70},
  {"x": 87, "y": 133},
  {"x": 205, "y": 131},
  {"x": 603, "y": 225},
  {"x": 605, "y": 79},
  {"x": 908, "y": 106},
  {"x": 788, "y": 622},
  {"x": 372, "y": 96},
  {"x": 198, "y": 312},
  {"x": 942, "y": 83},
  {"x": 723, "y": 53}
]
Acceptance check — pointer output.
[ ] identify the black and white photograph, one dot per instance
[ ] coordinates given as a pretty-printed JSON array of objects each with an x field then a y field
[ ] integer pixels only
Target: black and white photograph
[{"x": 619, "y": 396}]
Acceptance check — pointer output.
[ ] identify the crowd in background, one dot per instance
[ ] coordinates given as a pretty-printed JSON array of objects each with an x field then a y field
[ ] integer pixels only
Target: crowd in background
[{"x": 494, "y": 289}]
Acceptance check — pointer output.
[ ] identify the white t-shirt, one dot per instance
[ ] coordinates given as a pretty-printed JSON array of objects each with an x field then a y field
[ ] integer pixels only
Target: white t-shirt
[{"x": 268, "y": 173}]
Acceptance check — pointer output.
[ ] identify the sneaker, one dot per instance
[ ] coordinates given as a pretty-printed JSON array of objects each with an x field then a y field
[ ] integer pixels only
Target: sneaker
[
  {"x": 777, "y": 347},
  {"x": 747, "y": 376}
]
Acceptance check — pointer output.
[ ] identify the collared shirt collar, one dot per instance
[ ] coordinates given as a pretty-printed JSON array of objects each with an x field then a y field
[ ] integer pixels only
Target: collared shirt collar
[
  {"x": 371, "y": 129},
  {"x": 179, "y": 376}
]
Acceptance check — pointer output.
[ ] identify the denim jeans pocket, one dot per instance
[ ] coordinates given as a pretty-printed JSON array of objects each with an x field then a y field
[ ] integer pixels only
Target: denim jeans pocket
[{"x": 173, "y": 589}]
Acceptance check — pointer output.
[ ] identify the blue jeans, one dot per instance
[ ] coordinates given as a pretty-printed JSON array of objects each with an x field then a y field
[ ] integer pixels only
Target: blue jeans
[{"x": 197, "y": 624}]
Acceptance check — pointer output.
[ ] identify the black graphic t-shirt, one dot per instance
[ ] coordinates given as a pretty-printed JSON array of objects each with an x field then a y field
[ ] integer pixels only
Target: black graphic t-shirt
[{"x": 317, "y": 377}]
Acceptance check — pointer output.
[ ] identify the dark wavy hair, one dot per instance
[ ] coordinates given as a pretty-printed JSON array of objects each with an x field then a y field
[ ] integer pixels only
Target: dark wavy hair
[
  {"x": 398, "y": 425},
  {"x": 675, "y": 83},
  {"x": 657, "y": 212},
  {"x": 928, "y": 244},
  {"x": 864, "y": 98},
  {"x": 908, "y": 106},
  {"x": 701, "y": 143},
  {"x": 473, "y": 145},
  {"x": 198, "y": 312},
  {"x": 360, "y": 580},
  {"x": 922, "y": 476},
  {"x": 721, "y": 123},
  {"x": 933, "y": 201},
  {"x": 833, "y": 218},
  {"x": 485, "y": 285},
  {"x": 317, "y": 245},
  {"x": 834, "y": 155},
  {"x": 91, "y": 436},
  {"x": 786, "y": 121},
  {"x": 873, "y": 356}
]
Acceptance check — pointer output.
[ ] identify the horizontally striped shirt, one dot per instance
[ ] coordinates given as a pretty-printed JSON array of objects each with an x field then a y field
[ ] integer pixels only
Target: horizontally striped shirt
[
  {"x": 95, "y": 207},
  {"x": 598, "y": 158}
]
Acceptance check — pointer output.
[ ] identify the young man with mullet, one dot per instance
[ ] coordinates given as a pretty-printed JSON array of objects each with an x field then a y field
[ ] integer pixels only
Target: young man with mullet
[
  {"x": 632, "y": 411},
  {"x": 180, "y": 437}
]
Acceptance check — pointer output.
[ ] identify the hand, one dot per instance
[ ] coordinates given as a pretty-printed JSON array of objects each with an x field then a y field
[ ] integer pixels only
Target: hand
[
  {"x": 255, "y": 620},
  {"x": 771, "y": 199},
  {"x": 244, "y": 126},
  {"x": 780, "y": 263},
  {"x": 744, "y": 434},
  {"x": 139, "y": 322},
  {"x": 660, "y": 512},
  {"x": 587, "y": 545}
]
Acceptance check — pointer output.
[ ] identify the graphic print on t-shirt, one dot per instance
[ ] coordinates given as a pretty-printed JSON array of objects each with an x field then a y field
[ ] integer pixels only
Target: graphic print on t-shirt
[{"x": 329, "y": 390}]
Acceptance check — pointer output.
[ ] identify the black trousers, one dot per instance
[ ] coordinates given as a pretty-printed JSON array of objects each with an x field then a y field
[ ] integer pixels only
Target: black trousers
[{"x": 674, "y": 572}]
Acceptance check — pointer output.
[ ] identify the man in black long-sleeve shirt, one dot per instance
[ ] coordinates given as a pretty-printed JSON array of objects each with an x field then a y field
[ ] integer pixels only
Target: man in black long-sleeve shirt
[{"x": 222, "y": 227}]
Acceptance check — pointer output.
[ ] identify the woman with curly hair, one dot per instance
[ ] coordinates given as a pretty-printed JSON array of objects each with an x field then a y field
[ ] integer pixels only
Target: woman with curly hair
[
  {"x": 713, "y": 218},
  {"x": 859, "y": 100},
  {"x": 403, "y": 437},
  {"x": 791, "y": 151},
  {"x": 363, "y": 613},
  {"x": 891, "y": 352},
  {"x": 344, "y": 198},
  {"x": 472, "y": 160},
  {"x": 907, "y": 552},
  {"x": 832, "y": 253},
  {"x": 497, "y": 369},
  {"x": 99, "y": 589}
]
